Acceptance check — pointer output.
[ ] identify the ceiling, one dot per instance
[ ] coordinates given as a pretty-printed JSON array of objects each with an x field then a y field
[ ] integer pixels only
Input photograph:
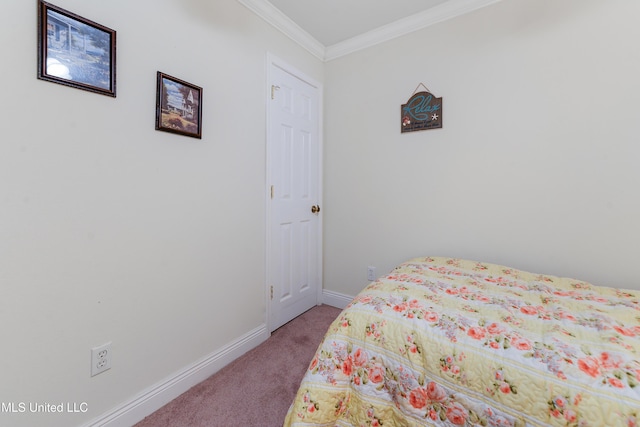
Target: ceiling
[
  {"x": 333, "y": 28},
  {"x": 334, "y": 21}
]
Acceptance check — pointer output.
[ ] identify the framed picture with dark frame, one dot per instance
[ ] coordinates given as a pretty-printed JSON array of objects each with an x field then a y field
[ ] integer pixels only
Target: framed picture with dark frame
[
  {"x": 75, "y": 51},
  {"x": 178, "y": 106}
]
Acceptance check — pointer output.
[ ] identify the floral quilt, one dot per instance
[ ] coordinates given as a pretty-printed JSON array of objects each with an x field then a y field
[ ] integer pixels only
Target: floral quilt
[{"x": 450, "y": 342}]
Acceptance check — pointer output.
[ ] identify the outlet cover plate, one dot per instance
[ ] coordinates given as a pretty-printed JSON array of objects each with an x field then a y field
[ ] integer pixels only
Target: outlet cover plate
[
  {"x": 371, "y": 273},
  {"x": 100, "y": 359}
]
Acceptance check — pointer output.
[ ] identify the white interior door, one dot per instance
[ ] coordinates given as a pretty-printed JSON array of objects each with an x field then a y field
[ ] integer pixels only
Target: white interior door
[{"x": 294, "y": 254}]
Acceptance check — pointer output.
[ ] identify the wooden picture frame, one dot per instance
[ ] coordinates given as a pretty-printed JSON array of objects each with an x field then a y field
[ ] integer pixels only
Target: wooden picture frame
[
  {"x": 74, "y": 51},
  {"x": 178, "y": 106}
]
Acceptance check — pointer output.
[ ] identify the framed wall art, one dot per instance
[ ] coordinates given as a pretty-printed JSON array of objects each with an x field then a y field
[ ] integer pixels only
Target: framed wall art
[
  {"x": 75, "y": 51},
  {"x": 178, "y": 106}
]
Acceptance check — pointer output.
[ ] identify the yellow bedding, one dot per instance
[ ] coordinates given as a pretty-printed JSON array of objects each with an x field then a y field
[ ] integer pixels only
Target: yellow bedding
[{"x": 450, "y": 342}]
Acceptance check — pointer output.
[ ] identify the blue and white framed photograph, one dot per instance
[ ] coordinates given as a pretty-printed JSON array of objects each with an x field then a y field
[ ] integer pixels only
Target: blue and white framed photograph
[{"x": 75, "y": 51}]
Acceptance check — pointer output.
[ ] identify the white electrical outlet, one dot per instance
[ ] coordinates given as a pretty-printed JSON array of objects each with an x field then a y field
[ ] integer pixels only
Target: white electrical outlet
[
  {"x": 371, "y": 273},
  {"x": 100, "y": 359}
]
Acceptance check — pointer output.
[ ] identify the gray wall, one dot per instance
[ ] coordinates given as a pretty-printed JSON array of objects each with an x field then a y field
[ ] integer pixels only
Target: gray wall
[
  {"x": 536, "y": 165},
  {"x": 113, "y": 231}
]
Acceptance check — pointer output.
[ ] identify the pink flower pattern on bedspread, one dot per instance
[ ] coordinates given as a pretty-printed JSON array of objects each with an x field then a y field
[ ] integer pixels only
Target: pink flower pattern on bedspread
[{"x": 450, "y": 342}]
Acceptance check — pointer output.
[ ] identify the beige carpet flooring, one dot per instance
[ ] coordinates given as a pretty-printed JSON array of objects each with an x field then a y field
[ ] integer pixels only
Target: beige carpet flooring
[{"x": 256, "y": 389}]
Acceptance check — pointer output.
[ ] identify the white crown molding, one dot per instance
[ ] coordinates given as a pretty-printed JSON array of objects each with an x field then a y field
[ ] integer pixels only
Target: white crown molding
[
  {"x": 279, "y": 20},
  {"x": 401, "y": 27},
  {"x": 447, "y": 10}
]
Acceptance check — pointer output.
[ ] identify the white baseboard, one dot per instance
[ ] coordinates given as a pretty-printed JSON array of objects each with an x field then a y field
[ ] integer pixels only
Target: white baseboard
[
  {"x": 155, "y": 397},
  {"x": 162, "y": 393},
  {"x": 335, "y": 299}
]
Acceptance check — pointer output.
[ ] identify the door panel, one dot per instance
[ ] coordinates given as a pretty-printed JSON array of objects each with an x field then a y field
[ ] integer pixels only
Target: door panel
[{"x": 294, "y": 237}]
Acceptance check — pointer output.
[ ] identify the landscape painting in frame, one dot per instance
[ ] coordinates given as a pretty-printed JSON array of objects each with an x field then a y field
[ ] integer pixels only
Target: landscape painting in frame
[
  {"x": 75, "y": 51},
  {"x": 178, "y": 106}
]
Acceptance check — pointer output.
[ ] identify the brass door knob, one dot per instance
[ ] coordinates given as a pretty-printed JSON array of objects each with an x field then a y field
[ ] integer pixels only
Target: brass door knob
[{"x": 315, "y": 209}]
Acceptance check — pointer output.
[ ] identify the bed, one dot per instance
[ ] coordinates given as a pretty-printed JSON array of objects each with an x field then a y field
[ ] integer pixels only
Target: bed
[{"x": 451, "y": 342}]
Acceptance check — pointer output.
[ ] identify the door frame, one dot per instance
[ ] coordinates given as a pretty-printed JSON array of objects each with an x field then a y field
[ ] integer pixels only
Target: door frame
[{"x": 274, "y": 61}]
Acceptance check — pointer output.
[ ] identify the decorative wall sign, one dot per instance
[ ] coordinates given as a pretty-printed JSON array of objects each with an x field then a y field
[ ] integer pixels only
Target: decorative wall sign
[{"x": 421, "y": 112}]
